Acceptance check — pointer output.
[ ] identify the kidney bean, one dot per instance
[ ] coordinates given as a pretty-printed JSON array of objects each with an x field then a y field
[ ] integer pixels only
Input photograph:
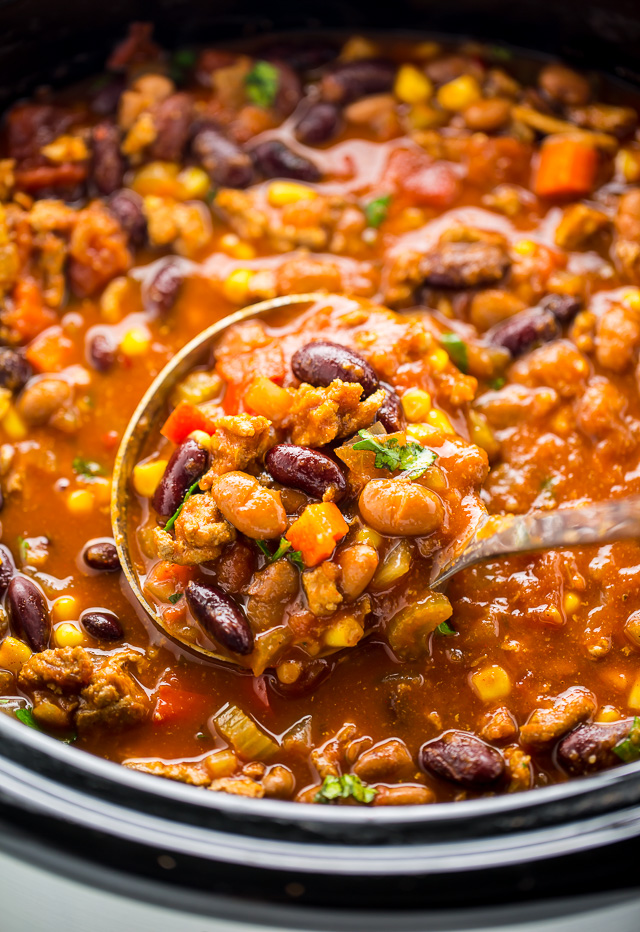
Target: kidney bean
[
  {"x": 220, "y": 616},
  {"x": 126, "y": 207},
  {"x": 463, "y": 759},
  {"x": 102, "y": 625},
  {"x": 320, "y": 123},
  {"x": 29, "y": 612},
  {"x": 106, "y": 99},
  {"x": 274, "y": 160},
  {"x": 590, "y": 747},
  {"x": 108, "y": 165},
  {"x": 224, "y": 161},
  {"x": 162, "y": 290},
  {"x": 350, "y": 80},
  {"x": 235, "y": 567},
  {"x": 7, "y": 568},
  {"x": 306, "y": 469},
  {"x": 321, "y": 362},
  {"x": 302, "y": 56},
  {"x": 172, "y": 121},
  {"x": 564, "y": 307},
  {"x": 289, "y": 89},
  {"x": 391, "y": 415},
  {"x": 101, "y": 352},
  {"x": 392, "y": 506},
  {"x": 15, "y": 371},
  {"x": 101, "y": 555},
  {"x": 524, "y": 331},
  {"x": 188, "y": 462}
]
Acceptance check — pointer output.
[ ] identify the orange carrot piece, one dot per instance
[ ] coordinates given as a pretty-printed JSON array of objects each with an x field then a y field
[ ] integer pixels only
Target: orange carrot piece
[
  {"x": 317, "y": 531},
  {"x": 567, "y": 168},
  {"x": 50, "y": 351},
  {"x": 28, "y": 315},
  {"x": 183, "y": 420}
]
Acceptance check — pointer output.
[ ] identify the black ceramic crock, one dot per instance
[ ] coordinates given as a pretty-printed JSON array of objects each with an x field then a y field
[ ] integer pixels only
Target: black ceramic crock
[{"x": 277, "y": 863}]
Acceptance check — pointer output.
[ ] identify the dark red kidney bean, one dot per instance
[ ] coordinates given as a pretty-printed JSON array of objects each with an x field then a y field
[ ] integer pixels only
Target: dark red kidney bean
[
  {"x": 320, "y": 123},
  {"x": 29, "y": 612},
  {"x": 101, "y": 352},
  {"x": 302, "y": 56},
  {"x": 7, "y": 568},
  {"x": 321, "y": 362},
  {"x": 188, "y": 462},
  {"x": 126, "y": 207},
  {"x": 306, "y": 469},
  {"x": 224, "y": 161},
  {"x": 289, "y": 92},
  {"x": 524, "y": 331},
  {"x": 102, "y": 625},
  {"x": 274, "y": 160},
  {"x": 108, "y": 165},
  {"x": 313, "y": 674},
  {"x": 391, "y": 415},
  {"x": 463, "y": 759},
  {"x": 101, "y": 555},
  {"x": 564, "y": 307},
  {"x": 172, "y": 121},
  {"x": 106, "y": 99},
  {"x": 220, "y": 617},
  {"x": 350, "y": 80},
  {"x": 590, "y": 747},
  {"x": 162, "y": 290},
  {"x": 235, "y": 567},
  {"x": 15, "y": 371}
]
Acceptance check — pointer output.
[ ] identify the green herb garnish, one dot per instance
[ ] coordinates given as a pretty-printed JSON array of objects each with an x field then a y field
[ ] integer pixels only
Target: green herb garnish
[
  {"x": 457, "y": 350},
  {"x": 261, "y": 84},
  {"x": 181, "y": 62},
  {"x": 24, "y": 547},
  {"x": 210, "y": 196},
  {"x": 629, "y": 749},
  {"x": 175, "y": 597},
  {"x": 188, "y": 494},
  {"x": 26, "y": 717},
  {"x": 499, "y": 53},
  {"x": 412, "y": 458},
  {"x": 444, "y": 628},
  {"x": 283, "y": 550},
  {"x": 348, "y": 785},
  {"x": 88, "y": 468},
  {"x": 376, "y": 210},
  {"x": 498, "y": 383}
]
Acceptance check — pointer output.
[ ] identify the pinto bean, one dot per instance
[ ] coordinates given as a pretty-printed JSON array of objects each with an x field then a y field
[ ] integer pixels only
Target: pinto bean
[
  {"x": 101, "y": 555},
  {"x": 224, "y": 161},
  {"x": 102, "y": 625},
  {"x": 220, "y": 616},
  {"x": 487, "y": 115},
  {"x": 7, "y": 568},
  {"x": 101, "y": 352},
  {"x": 564, "y": 307},
  {"x": 391, "y": 414},
  {"x": 564, "y": 85},
  {"x": 524, "y": 331},
  {"x": 187, "y": 463},
  {"x": 463, "y": 759},
  {"x": 590, "y": 747},
  {"x": 236, "y": 566},
  {"x": 358, "y": 564},
  {"x": 278, "y": 782},
  {"x": 108, "y": 165},
  {"x": 172, "y": 121},
  {"x": 385, "y": 761},
  {"x": 350, "y": 80},
  {"x": 306, "y": 469},
  {"x": 162, "y": 290},
  {"x": 126, "y": 207},
  {"x": 40, "y": 400},
  {"x": 399, "y": 508},
  {"x": 320, "y": 123},
  {"x": 274, "y": 160},
  {"x": 15, "y": 371},
  {"x": 254, "y": 510},
  {"x": 545, "y": 726},
  {"x": 321, "y": 362},
  {"x": 29, "y": 612},
  {"x": 403, "y": 794}
]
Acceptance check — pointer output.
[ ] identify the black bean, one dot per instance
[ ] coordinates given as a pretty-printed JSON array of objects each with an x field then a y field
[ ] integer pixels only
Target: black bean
[
  {"x": 29, "y": 612},
  {"x": 101, "y": 352},
  {"x": 321, "y": 362},
  {"x": 220, "y": 616},
  {"x": 126, "y": 207},
  {"x": 101, "y": 555},
  {"x": 306, "y": 469},
  {"x": 102, "y": 625},
  {"x": 320, "y": 123},
  {"x": 524, "y": 331},
  {"x": 162, "y": 290},
  {"x": 391, "y": 415},
  {"x": 463, "y": 759},
  {"x": 274, "y": 160},
  {"x": 590, "y": 747},
  {"x": 172, "y": 122},
  {"x": 302, "y": 56},
  {"x": 188, "y": 462},
  {"x": 564, "y": 307},
  {"x": 108, "y": 165},
  {"x": 223, "y": 160},
  {"x": 7, "y": 568},
  {"x": 15, "y": 371},
  {"x": 350, "y": 80}
]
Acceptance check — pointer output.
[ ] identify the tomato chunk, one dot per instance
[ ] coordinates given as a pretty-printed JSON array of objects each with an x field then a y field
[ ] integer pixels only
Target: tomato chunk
[{"x": 183, "y": 420}]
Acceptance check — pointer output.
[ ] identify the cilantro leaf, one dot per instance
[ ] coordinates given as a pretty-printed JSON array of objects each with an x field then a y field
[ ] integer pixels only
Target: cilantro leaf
[
  {"x": 629, "y": 749},
  {"x": 26, "y": 717},
  {"x": 210, "y": 196},
  {"x": 88, "y": 468},
  {"x": 295, "y": 557},
  {"x": 261, "y": 84},
  {"x": 348, "y": 785},
  {"x": 175, "y": 597},
  {"x": 444, "y": 628},
  {"x": 181, "y": 63},
  {"x": 496, "y": 384},
  {"x": 376, "y": 210},
  {"x": 411, "y": 458},
  {"x": 457, "y": 350},
  {"x": 190, "y": 491},
  {"x": 283, "y": 550}
]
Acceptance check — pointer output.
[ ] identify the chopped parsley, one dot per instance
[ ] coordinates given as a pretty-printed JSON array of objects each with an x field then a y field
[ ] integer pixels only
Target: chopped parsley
[
  {"x": 283, "y": 550},
  {"x": 190, "y": 491},
  {"x": 446, "y": 629},
  {"x": 629, "y": 749},
  {"x": 24, "y": 547},
  {"x": 348, "y": 785},
  {"x": 261, "y": 84},
  {"x": 457, "y": 350},
  {"x": 376, "y": 210},
  {"x": 210, "y": 196},
  {"x": 498, "y": 383},
  {"x": 175, "y": 597},
  {"x": 89, "y": 468},
  {"x": 26, "y": 717},
  {"x": 412, "y": 458}
]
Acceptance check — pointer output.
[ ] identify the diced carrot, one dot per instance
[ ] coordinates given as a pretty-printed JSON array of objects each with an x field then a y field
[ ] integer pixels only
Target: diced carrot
[
  {"x": 317, "y": 531},
  {"x": 268, "y": 399},
  {"x": 567, "y": 168},
  {"x": 164, "y": 570},
  {"x": 183, "y": 420},
  {"x": 264, "y": 360},
  {"x": 174, "y": 704},
  {"x": 29, "y": 315},
  {"x": 50, "y": 351}
]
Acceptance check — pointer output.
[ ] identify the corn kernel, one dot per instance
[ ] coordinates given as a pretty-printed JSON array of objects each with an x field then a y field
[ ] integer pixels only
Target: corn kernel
[
  {"x": 135, "y": 342},
  {"x": 440, "y": 421},
  {"x": 80, "y": 502},
  {"x": 423, "y": 433},
  {"x": 201, "y": 438},
  {"x": 194, "y": 183},
  {"x": 101, "y": 488},
  {"x": 412, "y": 86},
  {"x": 68, "y": 635},
  {"x": 491, "y": 683},
  {"x": 627, "y": 164},
  {"x": 66, "y": 149},
  {"x": 281, "y": 193},
  {"x": 608, "y": 713},
  {"x": 411, "y": 218},
  {"x": 289, "y": 671},
  {"x": 236, "y": 286},
  {"x": 233, "y": 246},
  {"x": 65, "y": 609},
  {"x": 524, "y": 247},
  {"x": 631, "y": 298},
  {"x": 571, "y": 602},
  {"x": 634, "y": 695},
  {"x": 111, "y": 308},
  {"x": 416, "y": 404},
  {"x": 460, "y": 93},
  {"x": 482, "y": 435},
  {"x": 344, "y": 633},
  {"x": 14, "y": 426},
  {"x": 367, "y": 535},
  {"x": 13, "y": 653},
  {"x": 146, "y": 477},
  {"x": 438, "y": 360},
  {"x": 156, "y": 178}
]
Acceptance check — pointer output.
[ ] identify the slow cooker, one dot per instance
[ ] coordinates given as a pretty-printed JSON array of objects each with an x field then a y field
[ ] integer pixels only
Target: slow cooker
[{"x": 85, "y": 843}]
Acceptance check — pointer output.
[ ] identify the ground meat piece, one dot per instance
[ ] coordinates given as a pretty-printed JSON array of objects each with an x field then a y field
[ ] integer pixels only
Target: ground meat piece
[
  {"x": 238, "y": 786},
  {"x": 269, "y": 589},
  {"x": 519, "y": 771},
  {"x": 321, "y": 589},
  {"x": 389, "y": 760},
  {"x": 97, "y": 251},
  {"x": 600, "y": 411},
  {"x": 617, "y": 337},
  {"x": 546, "y": 725},
  {"x": 558, "y": 365},
  {"x": 200, "y": 533},
  {"x": 239, "y": 441},
  {"x": 113, "y": 699},
  {"x": 193, "y": 773},
  {"x": 63, "y": 669},
  {"x": 172, "y": 121},
  {"x": 514, "y": 404},
  {"x": 579, "y": 225},
  {"x": 498, "y": 725},
  {"x": 319, "y": 415},
  {"x": 466, "y": 259}
]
